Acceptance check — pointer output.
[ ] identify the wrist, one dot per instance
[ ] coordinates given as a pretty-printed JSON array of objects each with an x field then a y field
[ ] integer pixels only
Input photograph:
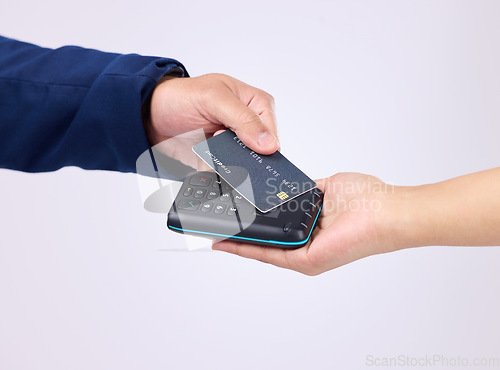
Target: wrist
[
  {"x": 408, "y": 218},
  {"x": 151, "y": 111}
]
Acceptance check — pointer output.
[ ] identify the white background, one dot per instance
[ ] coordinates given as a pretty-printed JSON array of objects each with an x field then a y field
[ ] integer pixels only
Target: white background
[{"x": 408, "y": 91}]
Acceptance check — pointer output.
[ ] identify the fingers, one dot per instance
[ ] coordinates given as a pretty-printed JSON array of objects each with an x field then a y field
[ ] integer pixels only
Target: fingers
[
  {"x": 263, "y": 104},
  {"x": 321, "y": 183},
  {"x": 273, "y": 256},
  {"x": 268, "y": 118},
  {"x": 248, "y": 111},
  {"x": 290, "y": 259},
  {"x": 218, "y": 132},
  {"x": 247, "y": 124}
]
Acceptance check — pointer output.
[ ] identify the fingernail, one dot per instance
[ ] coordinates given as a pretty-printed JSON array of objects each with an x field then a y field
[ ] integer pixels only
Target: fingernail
[{"x": 266, "y": 140}]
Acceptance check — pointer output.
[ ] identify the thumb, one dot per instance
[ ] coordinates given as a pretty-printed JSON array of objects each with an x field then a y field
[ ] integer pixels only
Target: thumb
[
  {"x": 229, "y": 111},
  {"x": 321, "y": 184}
]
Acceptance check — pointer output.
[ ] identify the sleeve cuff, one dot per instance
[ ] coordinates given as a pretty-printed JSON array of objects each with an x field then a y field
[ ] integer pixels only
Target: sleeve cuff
[{"x": 110, "y": 118}]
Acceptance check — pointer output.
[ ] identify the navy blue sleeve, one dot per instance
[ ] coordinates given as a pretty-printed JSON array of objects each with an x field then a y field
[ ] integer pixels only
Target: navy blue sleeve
[{"x": 74, "y": 107}]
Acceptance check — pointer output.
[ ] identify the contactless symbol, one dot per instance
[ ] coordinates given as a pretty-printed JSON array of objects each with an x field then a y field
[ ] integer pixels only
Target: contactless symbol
[{"x": 282, "y": 195}]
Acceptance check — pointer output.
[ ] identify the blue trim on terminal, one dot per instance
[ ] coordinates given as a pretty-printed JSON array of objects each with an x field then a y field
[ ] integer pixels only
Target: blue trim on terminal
[{"x": 253, "y": 239}]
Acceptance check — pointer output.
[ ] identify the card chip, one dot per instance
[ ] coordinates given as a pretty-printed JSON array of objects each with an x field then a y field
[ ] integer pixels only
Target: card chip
[{"x": 282, "y": 195}]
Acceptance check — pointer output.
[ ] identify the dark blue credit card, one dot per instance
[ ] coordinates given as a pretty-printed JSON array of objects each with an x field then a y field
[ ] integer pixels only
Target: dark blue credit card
[{"x": 266, "y": 181}]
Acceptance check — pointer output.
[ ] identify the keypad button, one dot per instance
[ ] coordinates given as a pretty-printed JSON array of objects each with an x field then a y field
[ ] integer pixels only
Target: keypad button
[
  {"x": 217, "y": 184},
  {"x": 200, "y": 180},
  {"x": 220, "y": 208},
  {"x": 190, "y": 205},
  {"x": 188, "y": 192},
  {"x": 212, "y": 194},
  {"x": 287, "y": 227},
  {"x": 207, "y": 207},
  {"x": 231, "y": 211},
  {"x": 200, "y": 193},
  {"x": 238, "y": 199},
  {"x": 225, "y": 197}
]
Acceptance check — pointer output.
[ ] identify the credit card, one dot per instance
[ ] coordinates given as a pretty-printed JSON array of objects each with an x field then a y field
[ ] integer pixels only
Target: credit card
[{"x": 266, "y": 181}]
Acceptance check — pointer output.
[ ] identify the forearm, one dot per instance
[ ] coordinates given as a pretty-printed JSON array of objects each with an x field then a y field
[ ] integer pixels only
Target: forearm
[
  {"x": 464, "y": 211},
  {"x": 73, "y": 106}
]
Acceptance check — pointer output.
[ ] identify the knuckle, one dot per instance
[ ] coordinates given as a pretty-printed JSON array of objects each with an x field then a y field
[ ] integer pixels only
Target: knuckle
[
  {"x": 250, "y": 118},
  {"x": 262, "y": 257},
  {"x": 266, "y": 98},
  {"x": 270, "y": 99},
  {"x": 238, "y": 250}
]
